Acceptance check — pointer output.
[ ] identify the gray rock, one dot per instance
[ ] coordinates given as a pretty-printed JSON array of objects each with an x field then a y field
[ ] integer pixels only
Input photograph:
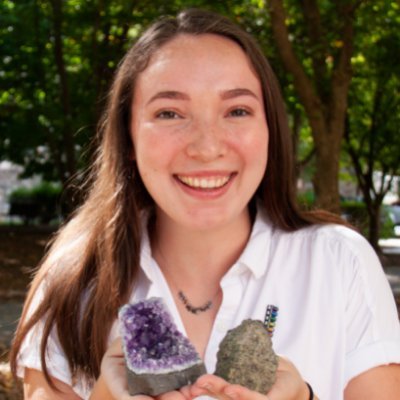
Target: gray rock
[
  {"x": 246, "y": 357},
  {"x": 156, "y": 384}
]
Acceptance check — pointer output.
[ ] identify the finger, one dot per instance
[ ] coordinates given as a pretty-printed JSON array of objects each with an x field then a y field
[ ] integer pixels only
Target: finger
[
  {"x": 235, "y": 392},
  {"x": 173, "y": 395},
  {"x": 186, "y": 393},
  {"x": 284, "y": 364},
  {"x": 115, "y": 348},
  {"x": 117, "y": 376},
  {"x": 210, "y": 385},
  {"x": 127, "y": 396}
]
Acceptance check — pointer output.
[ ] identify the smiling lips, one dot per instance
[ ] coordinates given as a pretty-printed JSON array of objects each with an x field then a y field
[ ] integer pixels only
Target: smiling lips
[{"x": 207, "y": 183}]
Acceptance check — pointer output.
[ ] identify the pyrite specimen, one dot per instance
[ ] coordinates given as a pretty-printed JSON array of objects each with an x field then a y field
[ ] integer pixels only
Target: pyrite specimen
[
  {"x": 246, "y": 357},
  {"x": 158, "y": 357}
]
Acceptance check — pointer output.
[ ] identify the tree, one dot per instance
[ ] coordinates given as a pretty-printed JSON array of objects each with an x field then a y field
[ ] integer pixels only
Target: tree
[
  {"x": 373, "y": 123},
  {"x": 56, "y": 64},
  {"x": 40, "y": 118},
  {"x": 58, "y": 57},
  {"x": 315, "y": 43}
]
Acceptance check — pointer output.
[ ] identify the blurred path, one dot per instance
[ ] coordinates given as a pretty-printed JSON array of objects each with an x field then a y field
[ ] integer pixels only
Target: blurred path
[{"x": 10, "y": 310}]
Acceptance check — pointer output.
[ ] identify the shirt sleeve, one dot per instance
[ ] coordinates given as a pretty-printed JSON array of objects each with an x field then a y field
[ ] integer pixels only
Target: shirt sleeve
[
  {"x": 372, "y": 323},
  {"x": 29, "y": 354}
]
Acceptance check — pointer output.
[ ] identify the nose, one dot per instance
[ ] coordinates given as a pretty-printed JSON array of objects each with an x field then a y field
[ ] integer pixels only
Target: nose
[{"x": 206, "y": 142}]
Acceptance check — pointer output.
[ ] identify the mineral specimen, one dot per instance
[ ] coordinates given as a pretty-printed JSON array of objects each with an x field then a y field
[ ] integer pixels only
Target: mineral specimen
[
  {"x": 158, "y": 357},
  {"x": 246, "y": 357}
]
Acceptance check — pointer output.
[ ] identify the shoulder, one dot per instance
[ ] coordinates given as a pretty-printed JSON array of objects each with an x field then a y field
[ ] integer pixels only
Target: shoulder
[
  {"x": 331, "y": 238},
  {"x": 329, "y": 250},
  {"x": 346, "y": 258},
  {"x": 340, "y": 234}
]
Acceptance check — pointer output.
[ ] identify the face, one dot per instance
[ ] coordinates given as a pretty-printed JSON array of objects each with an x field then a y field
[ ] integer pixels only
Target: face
[{"x": 199, "y": 132}]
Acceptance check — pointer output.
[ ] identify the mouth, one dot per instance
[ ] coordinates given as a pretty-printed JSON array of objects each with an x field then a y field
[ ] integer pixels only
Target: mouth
[{"x": 205, "y": 183}]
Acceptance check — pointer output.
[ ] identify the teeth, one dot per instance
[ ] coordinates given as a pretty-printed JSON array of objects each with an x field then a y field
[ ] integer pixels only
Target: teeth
[{"x": 204, "y": 183}]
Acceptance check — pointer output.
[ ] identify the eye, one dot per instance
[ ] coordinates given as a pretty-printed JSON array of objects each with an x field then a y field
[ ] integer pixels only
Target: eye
[
  {"x": 239, "y": 112},
  {"x": 167, "y": 114}
]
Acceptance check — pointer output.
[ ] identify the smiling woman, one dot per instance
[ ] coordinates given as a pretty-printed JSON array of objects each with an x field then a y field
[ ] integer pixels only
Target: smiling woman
[
  {"x": 192, "y": 200},
  {"x": 200, "y": 134}
]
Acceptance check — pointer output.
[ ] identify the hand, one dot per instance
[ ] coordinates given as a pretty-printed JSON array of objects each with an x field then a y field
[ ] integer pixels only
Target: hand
[
  {"x": 113, "y": 377},
  {"x": 289, "y": 385}
]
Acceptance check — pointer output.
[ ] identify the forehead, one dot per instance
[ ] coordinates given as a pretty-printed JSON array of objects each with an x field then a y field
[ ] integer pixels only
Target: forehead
[
  {"x": 206, "y": 60},
  {"x": 206, "y": 43}
]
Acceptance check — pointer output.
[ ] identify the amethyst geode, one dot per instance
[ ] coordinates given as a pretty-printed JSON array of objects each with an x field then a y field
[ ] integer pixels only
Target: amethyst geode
[{"x": 158, "y": 357}]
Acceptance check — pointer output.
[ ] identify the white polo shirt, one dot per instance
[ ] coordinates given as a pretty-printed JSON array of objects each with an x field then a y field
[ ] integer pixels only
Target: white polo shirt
[{"x": 337, "y": 317}]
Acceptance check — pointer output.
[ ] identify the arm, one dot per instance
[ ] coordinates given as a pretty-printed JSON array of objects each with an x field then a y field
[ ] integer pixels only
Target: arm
[
  {"x": 37, "y": 388},
  {"x": 377, "y": 383},
  {"x": 100, "y": 391}
]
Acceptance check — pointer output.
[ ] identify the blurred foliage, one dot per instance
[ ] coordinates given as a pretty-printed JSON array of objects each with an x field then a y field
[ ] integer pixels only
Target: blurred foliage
[
  {"x": 356, "y": 213},
  {"x": 57, "y": 59},
  {"x": 39, "y": 204},
  {"x": 56, "y": 64},
  {"x": 373, "y": 117}
]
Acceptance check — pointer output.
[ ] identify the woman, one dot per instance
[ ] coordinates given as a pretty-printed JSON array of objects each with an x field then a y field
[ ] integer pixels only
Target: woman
[{"x": 193, "y": 201}]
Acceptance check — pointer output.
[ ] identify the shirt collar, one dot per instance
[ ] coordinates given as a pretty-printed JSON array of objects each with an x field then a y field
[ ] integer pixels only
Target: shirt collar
[
  {"x": 254, "y": 257},
  {"x": 147, "y": 262},
  {"x": 256, "y": 253}
]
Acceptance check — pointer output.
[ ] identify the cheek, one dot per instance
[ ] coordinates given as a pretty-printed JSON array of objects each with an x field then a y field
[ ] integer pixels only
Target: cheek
[
  {"x": 146, "y": 144},
  {"x": 148, "y": 161},
  {"x": 254, "y": 148},
  {"x": 154, "y": 155},
  {"x": 257, "y": 158}
]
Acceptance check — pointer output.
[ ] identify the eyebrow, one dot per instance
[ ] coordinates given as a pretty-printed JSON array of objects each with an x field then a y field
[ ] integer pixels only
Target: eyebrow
[
  {"x": 230, "y": 94},
  {"x": 169, "y": 94},
  {"x": 225, "y": 95}
]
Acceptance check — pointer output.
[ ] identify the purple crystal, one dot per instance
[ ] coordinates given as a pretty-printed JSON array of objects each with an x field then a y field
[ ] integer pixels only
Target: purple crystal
[{"x": 151, "y": 341}]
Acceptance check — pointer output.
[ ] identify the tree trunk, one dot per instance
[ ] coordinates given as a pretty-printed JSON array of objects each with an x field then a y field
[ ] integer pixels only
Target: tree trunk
[
  {"x": 325, "y": 108},
  {"x": 326, "y": 176},
  {"x": 374, "y": 212},
  {"x": 71, "y": 198},
  {"x": 52, "y": 142},
  {"x": 67, "y": 135}
]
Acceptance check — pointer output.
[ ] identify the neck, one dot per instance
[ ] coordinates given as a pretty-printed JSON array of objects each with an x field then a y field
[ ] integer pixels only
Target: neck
[{"x": 197, "y": 255}]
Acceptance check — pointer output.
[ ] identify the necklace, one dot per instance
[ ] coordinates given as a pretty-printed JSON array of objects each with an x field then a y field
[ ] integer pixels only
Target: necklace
[
  {"x": 191, "y": 308},
  {"x": 182, "y": 297}
]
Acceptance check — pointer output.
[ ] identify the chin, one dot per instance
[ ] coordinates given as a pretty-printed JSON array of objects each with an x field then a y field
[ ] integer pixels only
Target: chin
[{"x": 207, "y": 221}]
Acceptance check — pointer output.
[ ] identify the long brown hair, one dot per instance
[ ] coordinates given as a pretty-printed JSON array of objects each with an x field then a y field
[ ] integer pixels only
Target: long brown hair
[{"x": 91, "y": 267}]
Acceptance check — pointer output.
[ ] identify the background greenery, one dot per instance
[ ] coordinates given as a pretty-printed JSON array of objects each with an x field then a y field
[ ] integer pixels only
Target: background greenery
[{"x": 58, "y": 57}]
